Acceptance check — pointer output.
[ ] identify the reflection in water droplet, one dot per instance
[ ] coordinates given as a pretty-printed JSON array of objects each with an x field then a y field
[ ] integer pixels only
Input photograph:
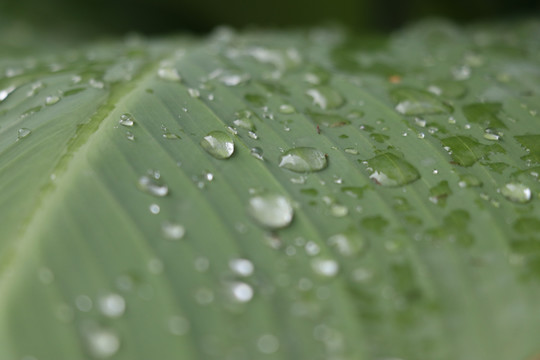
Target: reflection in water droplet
[
  {"x": 241, "y": 292},
  {"x": 391, "y": 170},
  {"x": 112, "y": 305},
  {"x": 271, "y": 210},
  {"x": 102, "y": 343},
  {"x": 218, "y": 144},
  {"x": 417, "y": 102},
  {"x": 244, "y": 123},
  {"x": 241, "y": 267},
  {"x": 127, "y": 120},
  {"x": 153, "y": 185},
  {"x": 303, "y": 159},
  {"x": 516, "y": 192},
  {"x": 173, "y": 231},
  {"x": 325, "y": 97},
  {"x": 22, "y": 133},
  {"x": 268, "y": 344},
  {"x": 325, "y": 267}
]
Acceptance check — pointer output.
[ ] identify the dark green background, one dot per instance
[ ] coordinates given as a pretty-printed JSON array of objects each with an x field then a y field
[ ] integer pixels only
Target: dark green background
[{"x": 166, "y": 16}]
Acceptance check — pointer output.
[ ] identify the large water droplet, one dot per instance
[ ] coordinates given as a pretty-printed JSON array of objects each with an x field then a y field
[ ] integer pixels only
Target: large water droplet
[
  {"x": 4, "y": 93},
  {"x": 325, "y": 97},
  {"x": 112, "y": 305},
  {"x": 271, "y": 210},
  {"x": 22, "y": 133},
  {"x": 153, "y": 185},
  {"x": 241, "y": 292},
  {"x": 303, "y": 159},
  {"x": 417, "y": 102},
  {"x": 218, "y": 144},
  {"x": 516, "y": 192},
  {"x": 391, "y": 170}
]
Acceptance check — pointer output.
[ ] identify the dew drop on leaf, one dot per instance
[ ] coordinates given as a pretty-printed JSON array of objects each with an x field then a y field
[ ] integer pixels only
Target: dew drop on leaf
[
  {"x": 218, "y": 144},
  {"x": 169, "y": 73},
  {"x": 51, "y": 100},
  {"x": 516, "y": 192},
  {"x": 22, "y": 133},
  {"x": 4, "y": 93},
  {"x": 126, "y": 120},
  {"x": 241, "y": 267},
  {"x": 112, "y": 305},
  {"x": 257, "y": 153},
  {"x": 391, "y": 170},
  {"x": 173, "y": 231},
  {"x": 102, "y": 343},
  {"x": 286, "y": 109},
  {"x": 241, "y": 292},
  {"x": 303, "y": 159},
  {"x": 348, "y": 243},
  {"x": 325, "y": 267},
  {"x": 271, "y": 210},
  {"x": 153, "y": 185},
  {"x": 417, "y": 102},
  {"x": 268, "y": 344},
  {"x": 325, "y": 97}
]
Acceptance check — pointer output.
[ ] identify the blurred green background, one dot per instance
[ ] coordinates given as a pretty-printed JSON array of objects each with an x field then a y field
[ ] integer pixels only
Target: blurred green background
[{"x": 97, "y": 17}]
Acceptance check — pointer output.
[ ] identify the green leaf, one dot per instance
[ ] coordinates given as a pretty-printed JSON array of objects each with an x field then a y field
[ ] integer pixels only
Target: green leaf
[{"x": 145, "y": 215}]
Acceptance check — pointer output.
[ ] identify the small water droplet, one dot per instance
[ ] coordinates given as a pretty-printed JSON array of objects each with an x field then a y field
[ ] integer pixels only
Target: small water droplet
[
  {"x": 51, "y": 100},
  {"x": 241, "y": 267},
  {"x": 325, "y": 97},
  {"x": 351, "y": 151},
  {"x": 169, "y": 73},
  {"x": 241, "y": 292},
  {"x": 391, "y": 170},
  {"x": 4, "y": 93},
  {"x": 178, "y": 325},
  {"x": 271, "y": 210},
  {"x": 194, "y": 93},
  {"x": 153, "y": 185},
  {"x": 22, "y": 133},
  {"x": 126, "y": 120},
  {"x": 204, "y": 296},
  {"x": 218, "y": 144},
  {"x": 516, "y": 192},
  {"x": 268, "y": 344},
  {"x": 253, "y": 135},
  {"x": 303, "y": 159},
  {"x": 287, "y": 109},
  {"x": 112, "y": 305},
  {"x": 257, "y": 153},
  {"x": 173, "y": 231},
  {"x": 348, "y": 243},
  {"x": 103, "y": 343},
  {"x": 154, "y": 209},
  {"x": 325, "y": 267},
  {"x": 234, "y": 79},
  {"x": 83, "y": 303},
  {"x": 130, "y": 136},
  {"x": 338, "y": 210}
]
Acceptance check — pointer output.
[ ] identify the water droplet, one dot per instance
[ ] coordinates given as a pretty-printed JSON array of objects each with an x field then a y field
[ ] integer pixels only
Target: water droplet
[
  {"x": 51, "y": 100},
  {"x": 287, "y": 109},
  {"x": 4, "y": 93},
  {"x": 241, "y": 267},
  {"x": 348, "y": 243},
  {"x": 194, "y": 93},
  {"x": 417, "y": 102},
  {"x": 130, "y": 136},
  {"x": 204, "y": 296},
  {"x": 126, "y": 120},
  {"x": 268, "y": 344},
  {"x": 325, "y": 97},
  {"x": 153, "y": 185},
  {"x": 218, "y": 144},
  {"x": 303, "y": 159},
  {"x": 178, "y": 325},
  {"x": 154, "y": 209},
  {"x": 338, "y": 210},
  {"x": 325, "y": 267},
  {"x": 83, "y": 303},
  {"x": 169, "y": 73},
  {"x": 516, "y": 192},
  {"x": 103, "y": 343},
  {"x": 112, "y": 305},
  {"x": 253, "y": 135},
  {"x": 351, "y": 151},
  {"x": 271, "y": 210},
  {"x": 241, "y": 292},
  {"x": 244, "y": 123},
  {"x": 234, "y": 79},
  {"x": 22, "y": 133},
  {"x": 257, "y": 153},
  {"x": 170, "y": 136},
  {"x": 391, "y": 170},
  {"x": 173, "y": 231},
  {"x": 468, "y": 180}
]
